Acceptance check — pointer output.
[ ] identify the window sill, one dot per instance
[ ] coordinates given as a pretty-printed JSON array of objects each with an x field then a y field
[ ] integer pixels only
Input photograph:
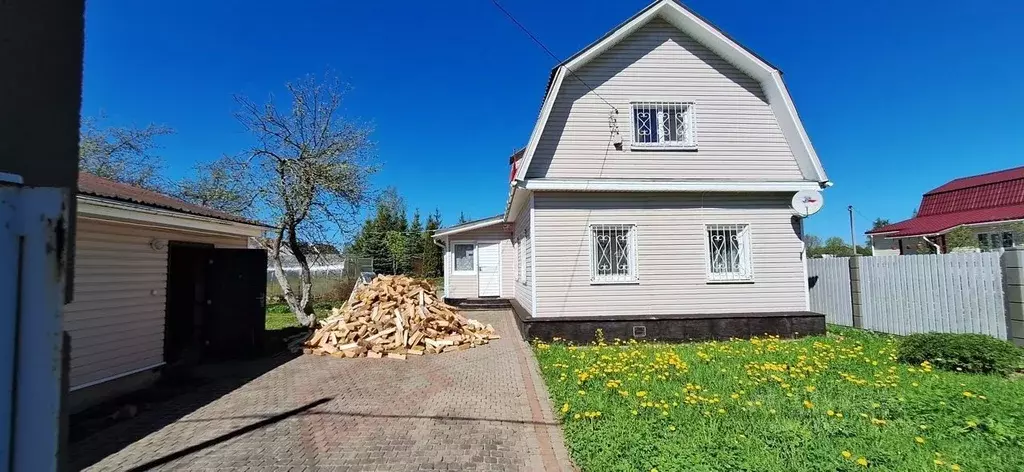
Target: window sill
[
  {"x": 615, "y": 282},
  {"x": 661, "y": 147},
  {"x": 737, "y": 281}
]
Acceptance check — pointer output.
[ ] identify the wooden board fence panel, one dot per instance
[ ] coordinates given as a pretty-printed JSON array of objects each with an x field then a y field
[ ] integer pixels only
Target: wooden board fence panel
[
  {"x": 954, "y": 293},
  {"x": 828, "y": 281}
]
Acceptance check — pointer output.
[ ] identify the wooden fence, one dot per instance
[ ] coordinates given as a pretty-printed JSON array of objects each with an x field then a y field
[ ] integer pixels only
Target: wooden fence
[{"x": 955, "y": 293}]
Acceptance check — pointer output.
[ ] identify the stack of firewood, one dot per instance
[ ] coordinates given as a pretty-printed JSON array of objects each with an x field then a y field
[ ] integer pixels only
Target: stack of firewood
[{"x": 395, "y": 316}]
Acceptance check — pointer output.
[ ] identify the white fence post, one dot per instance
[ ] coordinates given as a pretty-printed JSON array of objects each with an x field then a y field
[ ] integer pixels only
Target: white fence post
[{"x": 1012, "y": 265}]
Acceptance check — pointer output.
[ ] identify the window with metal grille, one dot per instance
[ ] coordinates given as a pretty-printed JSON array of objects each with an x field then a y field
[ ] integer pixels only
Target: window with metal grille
[
  {"x": 464, "y": 258},
  {"x": 663, "y": 125},
  {"x": 729, "y": 253},
  {"x": 613, "y": 253}
]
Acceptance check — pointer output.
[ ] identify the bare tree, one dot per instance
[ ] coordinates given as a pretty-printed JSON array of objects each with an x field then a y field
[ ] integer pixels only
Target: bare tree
[
  {"x": 311, "y": 166},
  {"x": 224, "y": 184},
  {"x": 121, "y": 153}
]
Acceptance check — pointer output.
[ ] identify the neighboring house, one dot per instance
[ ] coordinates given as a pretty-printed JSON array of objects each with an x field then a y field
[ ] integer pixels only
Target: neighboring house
[
  {"x": 992, "y": 205},
  {"x": 156, "y": 281},
  {"x": 653, "y": 196}
]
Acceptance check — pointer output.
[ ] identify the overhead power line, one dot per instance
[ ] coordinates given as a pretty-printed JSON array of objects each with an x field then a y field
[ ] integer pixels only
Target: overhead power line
[{"x": 548, "y": 51}]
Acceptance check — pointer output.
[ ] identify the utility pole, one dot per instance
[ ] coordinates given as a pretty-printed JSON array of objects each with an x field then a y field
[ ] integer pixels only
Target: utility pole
[{"x": 853, "y": 238}]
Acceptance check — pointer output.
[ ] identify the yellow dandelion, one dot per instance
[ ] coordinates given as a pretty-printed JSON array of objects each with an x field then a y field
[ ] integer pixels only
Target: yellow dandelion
[
  {"x": 847, "y": 454},
  {"x": 968, "y": 394},
  {"x": 641, "y": 394},
  {"x": 808, "y": 404},
  {"x": 839, "y": 415},
  {"x": 938, "y": 462},
  {"x": 861, "y": 461},
  {"x": 954, "y": 468},
  {"x": 811, "y": 388},
  {"x": 830, "y": 413},
  {"x": 721, "y": 411},
  {"x": 919, "y": 439},
  {"x": 582, "y": 392},
  {"x": 635, "y": 412},
  {"x": 565, "y": 408},
  {"x": 671, "y": 428}
]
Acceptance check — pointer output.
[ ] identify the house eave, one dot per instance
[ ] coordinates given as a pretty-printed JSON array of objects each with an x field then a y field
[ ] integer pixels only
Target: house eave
[
  {"x": 461, "y": 229},
  {"x": 132, "y": 213},
  {"x": 614, "y": 185}
]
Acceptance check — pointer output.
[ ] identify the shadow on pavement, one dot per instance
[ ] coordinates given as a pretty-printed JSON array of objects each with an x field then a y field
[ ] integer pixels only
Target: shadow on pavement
[
  {"x": 107, "y": 428},
  {"x": 225, "y": 437}
]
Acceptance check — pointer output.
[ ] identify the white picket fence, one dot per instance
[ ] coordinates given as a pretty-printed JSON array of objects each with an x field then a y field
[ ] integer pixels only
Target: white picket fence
[{"x": 954, "y": 293}]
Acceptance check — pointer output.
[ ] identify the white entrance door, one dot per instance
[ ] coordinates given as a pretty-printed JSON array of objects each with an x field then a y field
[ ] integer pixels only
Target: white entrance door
[{"x": 488, "y": 268}]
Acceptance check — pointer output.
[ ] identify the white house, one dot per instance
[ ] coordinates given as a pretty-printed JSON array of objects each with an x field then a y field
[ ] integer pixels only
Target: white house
[{"x": 653, "y": 196}]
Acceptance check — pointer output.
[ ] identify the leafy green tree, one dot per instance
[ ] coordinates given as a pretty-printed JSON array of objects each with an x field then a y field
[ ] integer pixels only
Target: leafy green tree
[
  {"x": 961, "y": 237},
  {"x": 433, "y": 256},
  {"x": 812, "y": 241},
  {"x": 377, "y": 240},
  {"x": 463, "y": 218}
]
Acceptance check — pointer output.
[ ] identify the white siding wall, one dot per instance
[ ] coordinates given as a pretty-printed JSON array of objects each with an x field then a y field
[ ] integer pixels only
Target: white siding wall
[
  {"x": 881, "y": 246},
  {"x": 523, "y": 288},
  {"x": 116, "y": 322},
  {"x": 737, "y": 133},
  {"x": 465, "y": 286},
  {"x": 671, "y": 254}
]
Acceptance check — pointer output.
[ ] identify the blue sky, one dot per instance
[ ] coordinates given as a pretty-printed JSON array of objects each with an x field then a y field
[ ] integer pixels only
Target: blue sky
[{"x": 897, "y": 96}]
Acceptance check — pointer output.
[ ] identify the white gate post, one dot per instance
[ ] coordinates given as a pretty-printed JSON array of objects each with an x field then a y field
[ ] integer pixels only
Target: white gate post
[
  {"x": 32, "y": 242},
  {"x": 1012, "y": 265}
]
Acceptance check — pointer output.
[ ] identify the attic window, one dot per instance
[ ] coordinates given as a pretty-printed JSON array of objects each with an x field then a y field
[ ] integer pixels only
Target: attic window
[{"x": 664, "y": 125}]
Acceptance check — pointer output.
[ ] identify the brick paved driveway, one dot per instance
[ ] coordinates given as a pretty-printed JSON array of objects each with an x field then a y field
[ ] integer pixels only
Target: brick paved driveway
[{"x": 480, "y": 409}]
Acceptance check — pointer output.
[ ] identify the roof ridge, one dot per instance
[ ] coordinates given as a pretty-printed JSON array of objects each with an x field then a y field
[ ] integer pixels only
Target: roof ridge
[{"x": 1008, "y": 178}]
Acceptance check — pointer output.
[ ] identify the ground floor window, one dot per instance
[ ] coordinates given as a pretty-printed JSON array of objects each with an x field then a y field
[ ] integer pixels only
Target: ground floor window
[
  {"x": 728, "y": 252},
  {"x": 613, "y": 253},
  {"x": 465, "y": 261},
  {"x": 996, "y": 240}
]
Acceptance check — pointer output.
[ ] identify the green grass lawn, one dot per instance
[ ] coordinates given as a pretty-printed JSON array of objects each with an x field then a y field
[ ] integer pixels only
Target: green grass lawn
[
  {"x": 832, "y": 403},
  {"x": 279, "y": 317}
]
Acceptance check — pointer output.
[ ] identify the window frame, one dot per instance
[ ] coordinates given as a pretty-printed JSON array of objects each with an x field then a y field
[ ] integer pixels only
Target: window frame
[
  {"x": 690, "y": 144},
  {"x": 995, "y": 241},
  {"x": 747, "y": 241},
  {"x": 634, "y": 275},
  {"x": 455, "y": 270}
]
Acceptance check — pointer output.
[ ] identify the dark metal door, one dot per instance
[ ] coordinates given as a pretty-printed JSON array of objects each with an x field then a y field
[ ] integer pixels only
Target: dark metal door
[{"x": 236, "y": 303}]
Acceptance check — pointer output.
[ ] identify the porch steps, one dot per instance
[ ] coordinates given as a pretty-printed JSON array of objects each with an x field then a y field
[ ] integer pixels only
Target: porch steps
[{"x": 479, "y": 303}]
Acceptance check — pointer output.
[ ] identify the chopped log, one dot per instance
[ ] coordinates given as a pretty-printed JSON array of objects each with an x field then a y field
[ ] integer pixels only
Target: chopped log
[{"x": 394, "y": 316}]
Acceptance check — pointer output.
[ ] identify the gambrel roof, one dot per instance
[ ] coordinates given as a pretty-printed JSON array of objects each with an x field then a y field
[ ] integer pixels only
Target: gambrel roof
[
  {"x": 701, "y": 30},
  {"x": 985, "y": 198}
]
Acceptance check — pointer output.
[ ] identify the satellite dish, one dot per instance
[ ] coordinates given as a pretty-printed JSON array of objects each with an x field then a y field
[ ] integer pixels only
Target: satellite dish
[{"x": 807, "y": 202}]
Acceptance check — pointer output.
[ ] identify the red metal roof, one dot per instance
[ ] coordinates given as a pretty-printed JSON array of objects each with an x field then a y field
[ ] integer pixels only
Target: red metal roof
[
  {"x": 981, "y": 179},
  {"x": 89, "y": 184},
  {"x": 996, "y": 196}
]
